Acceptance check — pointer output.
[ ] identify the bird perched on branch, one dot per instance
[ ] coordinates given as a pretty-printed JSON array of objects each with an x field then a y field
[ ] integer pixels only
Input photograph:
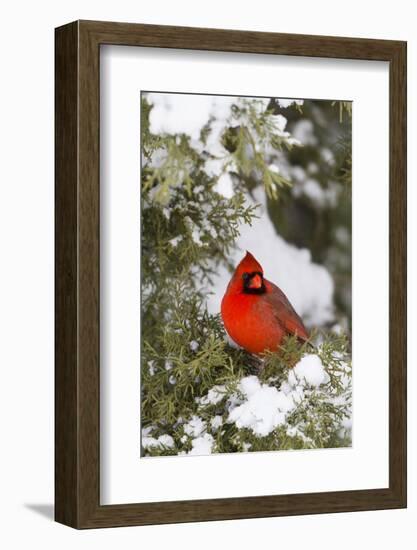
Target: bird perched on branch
[{"x": 256, "y": 313}]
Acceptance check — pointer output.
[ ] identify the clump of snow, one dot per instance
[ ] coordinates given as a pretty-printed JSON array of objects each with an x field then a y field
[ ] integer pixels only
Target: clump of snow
[
  {"x": 202, "y": 445},
  {"x": 151, "y": 367},
  {"x": 281, "y": 122},
  {"x": 194, "y": 345},
  {"x": 211, "y": 231},
  {"x": 249, "y": 385},
  {"x": 284, "y": 103},
  {"x": 224, "y": 185},
  {"x": 176, "y": 240},
  {"x": 194, "y": 230},
  {"x": 294, "y": 431},
  {"x": 166, "y": 440},
  {"x": 184, "y": 113},
  {"x": 264, "y": 407},
  {"x": 195, "y": 426},
  {"x": 312, "y": 168},
  {"x": 310, "y": 368},
  {"x": 163, "y": 440},
  {"x": 216, "y": 422},
  {"x": 293, "y": 141},
  {"x": 298, "y": 173},
  {"x": 327, "y": 156},
  {"x": 312, "y": 189},
  {"x": 318, "y": 195},
  {"x": 338, "y": 328},
  {"x": 214, "y": 396},
  {"x": 303, "y": 131},
  {"x": 196, "y": 236}
]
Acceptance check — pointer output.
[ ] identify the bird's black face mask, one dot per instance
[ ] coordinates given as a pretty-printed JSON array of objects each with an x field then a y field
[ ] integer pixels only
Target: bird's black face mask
[{"x": 253, "y": 283}]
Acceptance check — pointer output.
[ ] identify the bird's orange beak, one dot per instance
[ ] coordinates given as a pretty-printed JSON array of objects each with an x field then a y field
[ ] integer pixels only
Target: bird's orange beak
[{"x": 255, "y": 282}]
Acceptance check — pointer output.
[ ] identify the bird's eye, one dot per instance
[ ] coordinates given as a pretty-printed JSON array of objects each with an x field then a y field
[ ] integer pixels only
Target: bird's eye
[{"x": 246, "y": 276}]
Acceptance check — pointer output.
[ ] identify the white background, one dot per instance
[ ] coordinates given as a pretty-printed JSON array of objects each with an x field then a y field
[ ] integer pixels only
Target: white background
[
  {"x": 125, "y": 478},
  {"x": 26, "y": 288}
]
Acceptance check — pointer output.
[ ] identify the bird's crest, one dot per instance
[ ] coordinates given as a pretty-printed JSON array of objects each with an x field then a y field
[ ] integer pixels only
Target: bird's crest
[{"x": 249, "y": 265}]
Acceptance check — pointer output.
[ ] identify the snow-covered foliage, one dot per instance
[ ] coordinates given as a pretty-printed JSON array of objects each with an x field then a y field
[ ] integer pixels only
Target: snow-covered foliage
[
  {"x": 305, "y": 406},
  {"x": 221, "y": 175}
]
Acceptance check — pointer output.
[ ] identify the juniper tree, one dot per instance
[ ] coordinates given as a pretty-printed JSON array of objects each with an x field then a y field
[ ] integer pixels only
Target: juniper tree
[{"x": 197, "y": 388}]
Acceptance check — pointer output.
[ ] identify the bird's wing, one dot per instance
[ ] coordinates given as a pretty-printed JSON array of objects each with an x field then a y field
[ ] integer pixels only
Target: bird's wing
[{"x": 284, "y": 313}]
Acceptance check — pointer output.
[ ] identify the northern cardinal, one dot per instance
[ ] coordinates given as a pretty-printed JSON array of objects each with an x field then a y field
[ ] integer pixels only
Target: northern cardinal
[{"x": 256, "y": 313}]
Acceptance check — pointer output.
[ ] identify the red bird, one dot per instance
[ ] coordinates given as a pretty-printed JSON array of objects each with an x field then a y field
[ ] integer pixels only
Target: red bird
[{"x": 256, "y": 313}]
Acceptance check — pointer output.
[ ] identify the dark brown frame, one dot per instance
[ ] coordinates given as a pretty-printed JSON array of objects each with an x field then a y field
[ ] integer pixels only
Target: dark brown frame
[{"x": 77, "y": 274}]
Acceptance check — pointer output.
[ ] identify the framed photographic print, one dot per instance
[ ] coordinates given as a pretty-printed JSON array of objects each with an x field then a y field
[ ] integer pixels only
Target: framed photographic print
[{"x": 230, "y": 274}]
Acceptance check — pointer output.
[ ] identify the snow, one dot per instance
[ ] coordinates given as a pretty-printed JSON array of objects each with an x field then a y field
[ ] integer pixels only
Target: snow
[
  {"x": 294, "y": 431},
  {"x": 216, "y": 422},
  {"x": 162, "y": 441},
  {"x": 195, "y": 426},
  {"x": 303, "y": 131},
  {"x": 194, "y": 345},
  {"x": 313, "y": 190},
  {"x": 214, "y": 396},
  {"x": 166, "y": 440},
  {"x": 249, "y": 385},
  {"x": 284, "y": 103},
  {"x": 176, "y": 240},
  {"x": 194, "y": 229},
  {"x": 151, "y": 367},
  {"x": 224, "y": 186},
  {"x": 184, "y": 113},
  {"x": 320, "y": 196},
  {"x": 312, "y": 168},
  {"x": 189, "y": 113},
  {"x": 298, "y": 174},
  {"x": 264, "y": 408},
  {"x": 310, "y": 368},
  {"x": 327, "y": 156},
  {"x": 202, "y": 445},
  {"x": 281, "y": 122},
  {"x": 258, "y": 406}
]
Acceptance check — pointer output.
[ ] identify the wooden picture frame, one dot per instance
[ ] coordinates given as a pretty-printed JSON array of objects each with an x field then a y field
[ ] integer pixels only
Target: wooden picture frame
[{"x": 77, "y": 375}]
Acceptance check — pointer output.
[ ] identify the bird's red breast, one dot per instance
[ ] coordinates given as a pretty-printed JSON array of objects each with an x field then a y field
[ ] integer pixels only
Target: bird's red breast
[{"x": 256, "y": 313}]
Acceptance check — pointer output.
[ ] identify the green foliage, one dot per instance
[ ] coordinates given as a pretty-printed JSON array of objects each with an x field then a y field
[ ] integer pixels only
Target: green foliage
[
  {"x": 316, "y": 212},
  {"x": 344, "y": 107},
  {"x": 250, "y": 143},
  {"x": 177, "y": 386},
  {"x": 188, "y": 229}
]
